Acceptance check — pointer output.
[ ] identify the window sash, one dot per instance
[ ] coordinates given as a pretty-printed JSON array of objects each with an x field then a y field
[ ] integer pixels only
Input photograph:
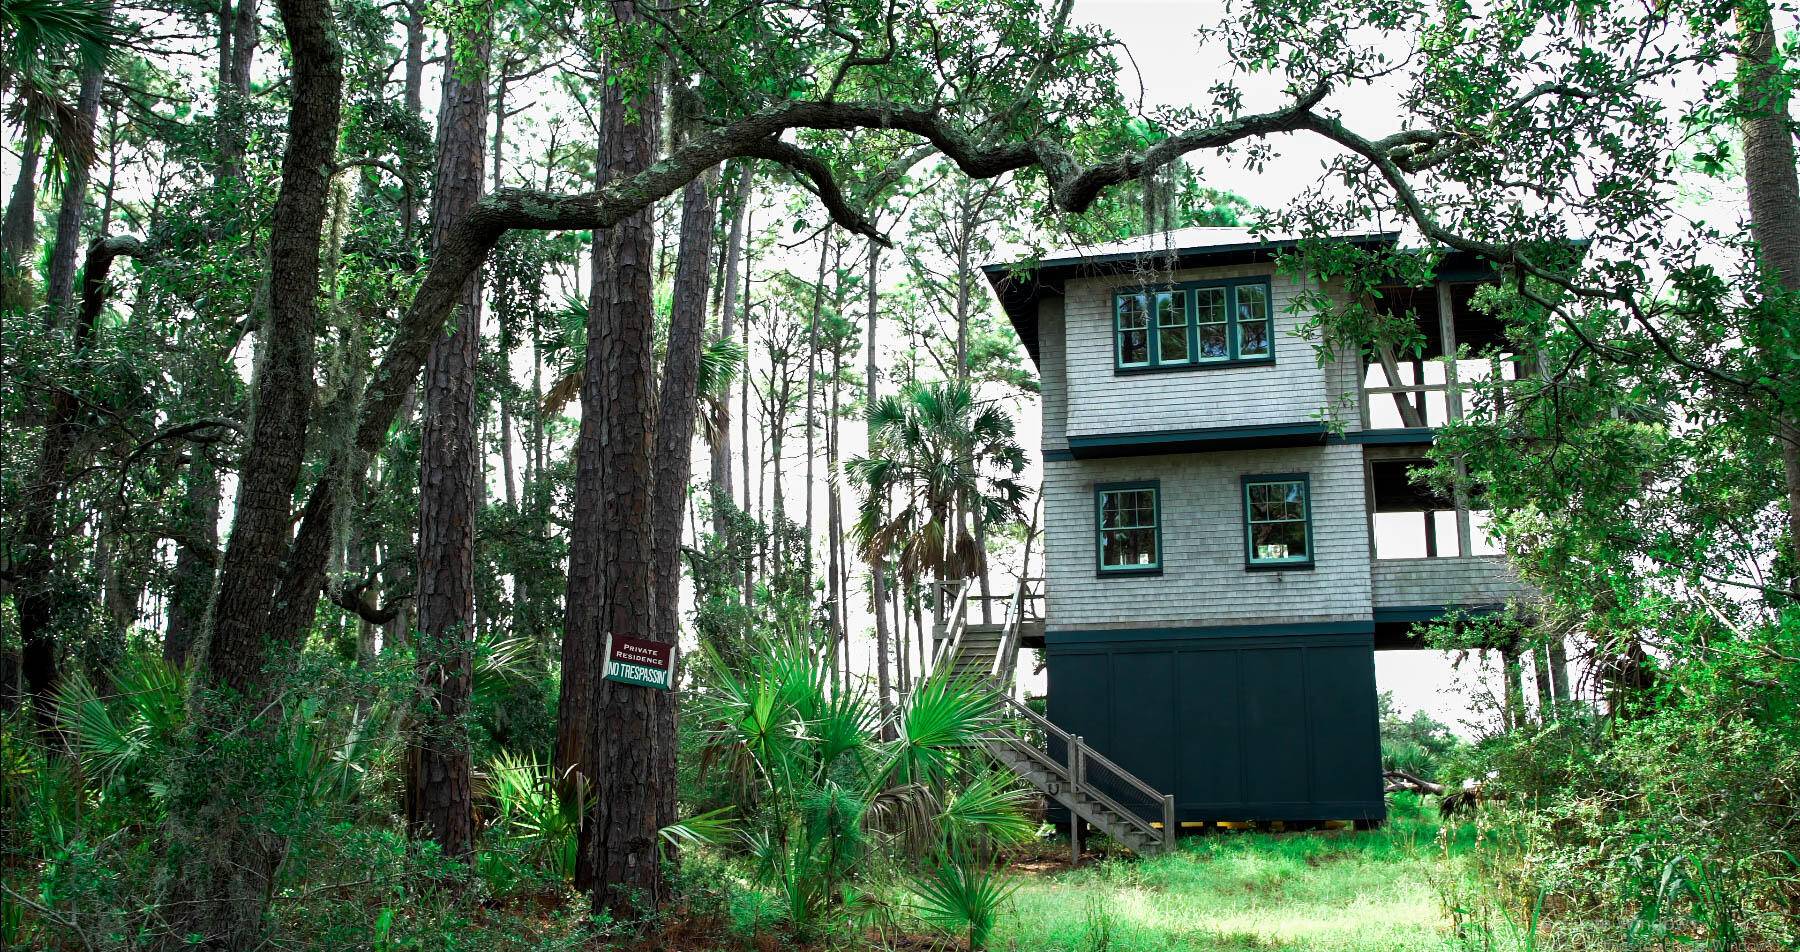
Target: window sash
[
  {"x": 1277, "y": 515},
  {"x": 1127, "y": 523},
  {"x": 1203, "y": 322}
]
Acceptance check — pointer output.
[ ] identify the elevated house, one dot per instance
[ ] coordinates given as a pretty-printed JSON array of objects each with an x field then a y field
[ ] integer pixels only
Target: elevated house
[{"x": 1231, "y": 527}]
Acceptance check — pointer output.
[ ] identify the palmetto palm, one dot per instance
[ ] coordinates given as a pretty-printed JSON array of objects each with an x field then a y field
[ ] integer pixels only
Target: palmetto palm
[
  {"x": 38, "y": 40},
  {"x": 940, "y": 457}
]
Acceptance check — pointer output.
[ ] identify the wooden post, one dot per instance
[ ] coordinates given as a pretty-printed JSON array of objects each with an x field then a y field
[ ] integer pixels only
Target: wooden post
[
  {"x": 1168, "y": 830},
  {"x": 1075, "y": 763},
  {"x": 1074, "y": 839}
]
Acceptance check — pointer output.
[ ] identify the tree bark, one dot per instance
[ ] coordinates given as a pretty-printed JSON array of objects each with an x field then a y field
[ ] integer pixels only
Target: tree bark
[
  {"x": 59, "y": 291},
  {"x": 877, "y": 572},
  {"x": 18, "y": 234},
  {"x": 1773, "y": 189},
  {"x": 35, "y": 592},
  {"x": 677, "y": 398},
  {"x": 610, "y": 590},
  {"x": 720, "y": 431},
  {"x": 219, "y": 868},
  {"x": 812, "y": 396},
  {"x": 439, "y": 796},
  {"x": 678, "y": 408}
]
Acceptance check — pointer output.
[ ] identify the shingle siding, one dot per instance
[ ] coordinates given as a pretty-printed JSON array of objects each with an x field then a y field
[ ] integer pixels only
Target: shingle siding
[
  {"x": 1100, "y": 401},
  {"x": 1204, "y": 581},
  {"x": 1407, "y": 583},
  {"x": 1053, "y": 388}
]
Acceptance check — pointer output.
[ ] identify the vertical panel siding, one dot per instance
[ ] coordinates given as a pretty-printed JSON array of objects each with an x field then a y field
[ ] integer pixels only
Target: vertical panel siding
[
  {"x": 1270, "y": 728},
  {"x": 1203, "y": 580}
]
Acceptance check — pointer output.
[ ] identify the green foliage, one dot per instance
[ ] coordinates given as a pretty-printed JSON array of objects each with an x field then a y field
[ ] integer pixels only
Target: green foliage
[
  {"x": 963, "y": 895},
  {"x": 944, "y": 461},
  {"x": 1418, "y": 745}
]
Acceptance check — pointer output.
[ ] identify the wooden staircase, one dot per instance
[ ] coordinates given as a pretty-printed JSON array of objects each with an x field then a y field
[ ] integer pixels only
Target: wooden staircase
[{"x": 1061, "y": 766}]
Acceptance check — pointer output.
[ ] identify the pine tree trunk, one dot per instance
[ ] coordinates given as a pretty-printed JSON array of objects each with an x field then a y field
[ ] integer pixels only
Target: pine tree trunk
[
  {"x": 877, "y": 572},
  {"x": 677, "y": 410},
  {"x": 749, "y": 591},
  {"x": 728, "y": 306},
  {"x": 439, "y": 795},
  {"x": 628, "y": 729},
  {"x": 812, "y": 391},
  {"x": 1773, "y": 189}
]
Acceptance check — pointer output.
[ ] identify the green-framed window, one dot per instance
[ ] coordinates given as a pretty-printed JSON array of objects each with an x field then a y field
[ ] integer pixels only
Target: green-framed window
[
  {"x": 1128, "y": 528},
  {"x": 1278, "y": 521},
  {"x": 1196, "y": 324}
]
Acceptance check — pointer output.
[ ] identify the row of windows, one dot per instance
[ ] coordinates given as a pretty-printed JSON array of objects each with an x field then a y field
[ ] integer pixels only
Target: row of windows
[
  {"x": 1194, "y": 324},
  {"x": 1277, "y": 525}
]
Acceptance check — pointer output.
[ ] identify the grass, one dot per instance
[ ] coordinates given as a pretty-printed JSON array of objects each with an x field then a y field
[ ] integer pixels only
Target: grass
[{"x": 1330, "y": 891}]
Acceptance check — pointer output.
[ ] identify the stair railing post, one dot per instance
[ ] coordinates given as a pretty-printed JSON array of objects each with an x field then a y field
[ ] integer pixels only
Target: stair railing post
[
  {"x": 1075, "y": 764},
  {"x": 1168, "y": 830}
]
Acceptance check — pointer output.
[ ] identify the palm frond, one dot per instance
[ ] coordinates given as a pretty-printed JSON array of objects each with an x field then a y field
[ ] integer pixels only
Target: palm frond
[{"x": 960, "y": 894}]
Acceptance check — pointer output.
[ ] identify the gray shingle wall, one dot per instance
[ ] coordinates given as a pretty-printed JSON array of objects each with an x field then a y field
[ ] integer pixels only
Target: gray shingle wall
[
  {"x": 1401, "y": 583},
  {"x": 1295, "y": 389},
  {"x": 1204, "y": 581},
  {"x": 1055, "y": 400}
]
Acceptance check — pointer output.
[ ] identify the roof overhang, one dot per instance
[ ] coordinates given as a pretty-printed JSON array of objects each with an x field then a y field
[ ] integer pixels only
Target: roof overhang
[{"x": 1020, "y": 286}]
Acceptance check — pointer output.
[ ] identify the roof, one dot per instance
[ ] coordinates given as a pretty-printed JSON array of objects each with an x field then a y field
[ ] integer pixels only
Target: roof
[{"x": 1021, "y": 285}]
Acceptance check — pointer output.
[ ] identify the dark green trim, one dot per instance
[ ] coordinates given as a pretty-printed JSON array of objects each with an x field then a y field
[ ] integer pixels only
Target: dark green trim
[
  {"x": 1418, "y": 613},
  {"x": 1305, "y": 481},
  {"x": 1195, "y": 441},
  {"x": 1058, "y": 456},
  {"x": 1100, "y": 489},
  {"x": 1400, "y": 436},
  {"x": 1351, "y": 632}
]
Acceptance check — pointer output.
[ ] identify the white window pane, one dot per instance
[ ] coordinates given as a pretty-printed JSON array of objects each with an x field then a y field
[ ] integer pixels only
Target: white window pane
[
  {"x": 1399, "y": 535},
  {"x": 1481, "y": 542},
  {"x": 1443, "y": 531},
  {"x": 1437, "y": 408}
]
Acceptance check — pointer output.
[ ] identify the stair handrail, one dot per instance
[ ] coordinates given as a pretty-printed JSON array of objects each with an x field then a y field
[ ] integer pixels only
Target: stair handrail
[
  {"x": 1084, "y": 754},
  {"x": 1006, "y": 652},
  {"x": 947, "y": 646}
]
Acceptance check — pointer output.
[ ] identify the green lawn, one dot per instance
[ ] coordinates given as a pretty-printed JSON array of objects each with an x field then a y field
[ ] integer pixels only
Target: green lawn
[{"x": 1333, "y": 891}]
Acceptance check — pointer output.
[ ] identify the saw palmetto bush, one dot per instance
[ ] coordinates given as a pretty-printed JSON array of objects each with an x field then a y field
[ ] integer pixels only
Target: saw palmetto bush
[{"x": 842, "y": 826}]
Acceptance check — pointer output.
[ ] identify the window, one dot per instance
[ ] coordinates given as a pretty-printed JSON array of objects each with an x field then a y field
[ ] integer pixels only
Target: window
[
  {"x": 1195, "y": 324},
  {"x": 1132, "y": 317},
  {"x": 1128, "y": 538},
  {"x": 1277, "y": 522}
]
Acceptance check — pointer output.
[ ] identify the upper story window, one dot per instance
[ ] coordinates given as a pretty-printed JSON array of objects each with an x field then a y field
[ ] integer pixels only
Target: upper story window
[
  {"x": 1196, "y": 324},
  {"x": 1128, "y": 528},
  {"x": 1278, "y": 522}
]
